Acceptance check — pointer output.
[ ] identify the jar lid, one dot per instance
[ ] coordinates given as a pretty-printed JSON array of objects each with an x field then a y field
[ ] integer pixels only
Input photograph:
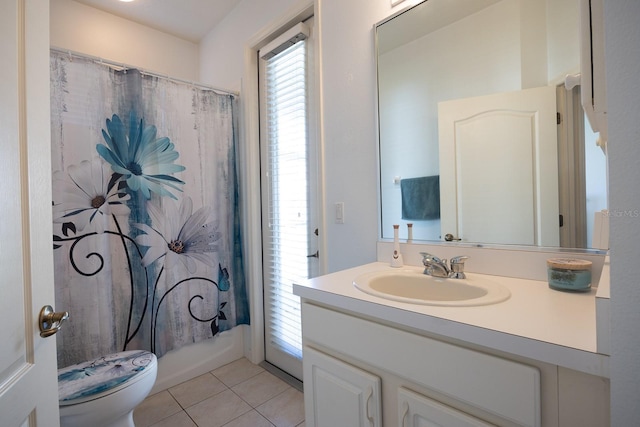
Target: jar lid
[{"x": 569, "y": 263}]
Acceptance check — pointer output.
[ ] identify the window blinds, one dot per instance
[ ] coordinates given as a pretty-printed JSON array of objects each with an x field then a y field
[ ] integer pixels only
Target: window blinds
[{"x": 286, "y": 257}]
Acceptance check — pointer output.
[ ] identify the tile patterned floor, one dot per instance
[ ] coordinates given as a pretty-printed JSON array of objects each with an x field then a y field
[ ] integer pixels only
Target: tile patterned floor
[{"x": 239, "y": 394}]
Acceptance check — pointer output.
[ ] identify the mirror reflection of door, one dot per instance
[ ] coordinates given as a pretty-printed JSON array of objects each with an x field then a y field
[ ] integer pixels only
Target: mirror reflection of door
[
  {"x": 499, "y": 168},
  {"x": 441, "y": 50}
]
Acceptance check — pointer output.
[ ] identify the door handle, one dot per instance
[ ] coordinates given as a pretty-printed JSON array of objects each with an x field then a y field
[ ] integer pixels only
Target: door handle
[
  {"x": 368, "y": 400},
  {"x": 316, "y": 255},
  {"x": 405, "y": 412},
  {"x": 51, "y": 321}
]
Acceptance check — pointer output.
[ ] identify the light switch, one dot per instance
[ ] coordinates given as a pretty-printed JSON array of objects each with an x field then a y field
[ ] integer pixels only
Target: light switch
[{"x": 340, "y": 213}]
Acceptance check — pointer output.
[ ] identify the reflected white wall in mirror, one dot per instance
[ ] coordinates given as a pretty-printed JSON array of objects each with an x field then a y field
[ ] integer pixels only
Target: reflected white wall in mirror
[{"x": 444, "y": 50}]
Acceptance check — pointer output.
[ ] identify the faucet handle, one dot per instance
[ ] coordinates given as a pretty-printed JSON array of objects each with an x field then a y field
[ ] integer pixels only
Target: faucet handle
[
  {"x": 457, "y": 267},
  {"x": 427, "y": 257},
  {"x": 458, "y": 259}
]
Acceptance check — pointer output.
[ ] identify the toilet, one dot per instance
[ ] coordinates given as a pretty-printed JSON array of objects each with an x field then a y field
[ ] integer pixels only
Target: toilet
[{"x": 104, "y": 392}]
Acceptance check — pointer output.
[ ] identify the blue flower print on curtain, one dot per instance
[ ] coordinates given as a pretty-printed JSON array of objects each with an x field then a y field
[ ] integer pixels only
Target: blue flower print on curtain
[
  {"x": 147, "y": 244},
  {"x": 146, "y": 163},
  {"x": 175, "y": 236}
]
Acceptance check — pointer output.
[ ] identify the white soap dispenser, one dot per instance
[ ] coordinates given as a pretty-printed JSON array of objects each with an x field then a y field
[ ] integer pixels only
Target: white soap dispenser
[{"x": 396, "y": 258}]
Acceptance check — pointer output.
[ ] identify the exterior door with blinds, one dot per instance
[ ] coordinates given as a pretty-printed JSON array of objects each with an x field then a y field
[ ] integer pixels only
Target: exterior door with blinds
[{"x": 289, "y": 190}]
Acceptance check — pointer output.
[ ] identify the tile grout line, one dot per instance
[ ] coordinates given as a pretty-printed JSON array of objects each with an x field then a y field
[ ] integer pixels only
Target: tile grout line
[
  {"x": 252, "y": 408},
  {"x": 229, "y": 388}
]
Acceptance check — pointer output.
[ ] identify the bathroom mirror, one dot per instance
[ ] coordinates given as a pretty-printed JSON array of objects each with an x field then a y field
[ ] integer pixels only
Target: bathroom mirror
[{"x": 451, "y": 75}]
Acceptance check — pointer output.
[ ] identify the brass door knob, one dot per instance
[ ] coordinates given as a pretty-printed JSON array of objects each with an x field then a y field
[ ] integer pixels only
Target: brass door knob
[{"x": 51, "y": 321}]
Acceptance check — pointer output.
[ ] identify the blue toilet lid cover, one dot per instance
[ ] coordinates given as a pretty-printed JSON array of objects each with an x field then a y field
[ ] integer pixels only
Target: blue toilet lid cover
[{"x": 95, "y": 376}]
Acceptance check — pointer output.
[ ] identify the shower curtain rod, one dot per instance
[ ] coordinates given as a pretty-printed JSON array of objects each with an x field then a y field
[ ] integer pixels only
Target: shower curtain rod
[{"x": 123, "y": 67}]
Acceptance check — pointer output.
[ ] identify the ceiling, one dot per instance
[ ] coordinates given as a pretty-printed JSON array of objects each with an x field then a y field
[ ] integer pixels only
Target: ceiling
[
  {"x": 425, "y": 18},
  {"x": 188, "y": 19}
]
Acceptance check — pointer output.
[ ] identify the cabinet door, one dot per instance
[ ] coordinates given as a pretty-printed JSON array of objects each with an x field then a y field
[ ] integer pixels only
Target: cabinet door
[
  {"x": 416, "y": 410},
  {"x": 338, "y": 394}
]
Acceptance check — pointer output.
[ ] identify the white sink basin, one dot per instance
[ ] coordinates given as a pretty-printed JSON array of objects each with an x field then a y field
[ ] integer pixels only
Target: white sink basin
[{"x": 412, "y": 286}]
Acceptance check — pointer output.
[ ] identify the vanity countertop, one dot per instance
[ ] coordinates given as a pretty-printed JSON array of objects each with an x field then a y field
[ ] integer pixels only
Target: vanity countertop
[{"x": 535, "y": 322}]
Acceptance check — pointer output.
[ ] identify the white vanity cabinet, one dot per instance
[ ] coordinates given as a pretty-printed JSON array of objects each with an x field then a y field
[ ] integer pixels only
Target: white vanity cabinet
[
  {"x": 341, "y": 394},
  {"x": 363, "y": 371}
]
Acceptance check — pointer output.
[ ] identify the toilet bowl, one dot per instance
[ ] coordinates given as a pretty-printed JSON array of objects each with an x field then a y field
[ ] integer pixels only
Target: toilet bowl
[{"x": 105, "y": 391}]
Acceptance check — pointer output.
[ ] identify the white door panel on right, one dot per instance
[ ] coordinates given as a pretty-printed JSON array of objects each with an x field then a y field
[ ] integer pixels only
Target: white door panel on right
[{"x": 499, "y": 168}]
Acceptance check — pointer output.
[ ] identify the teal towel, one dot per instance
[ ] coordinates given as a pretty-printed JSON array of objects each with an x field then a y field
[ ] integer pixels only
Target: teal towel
[{"x": 420, "y": 198}]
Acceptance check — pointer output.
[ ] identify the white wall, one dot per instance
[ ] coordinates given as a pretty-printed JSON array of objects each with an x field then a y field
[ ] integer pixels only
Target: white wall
[
  {"x": 622, "y": 52},
  {"x": 349, "y": 126},
  {"x": 80, "y": 28},
  {"x": 563, "y": 39},
  {"x": 222, "y": 50}
]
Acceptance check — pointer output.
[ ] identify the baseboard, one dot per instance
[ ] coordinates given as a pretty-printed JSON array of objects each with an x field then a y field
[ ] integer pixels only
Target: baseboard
[{"x": 193, "y": 360}]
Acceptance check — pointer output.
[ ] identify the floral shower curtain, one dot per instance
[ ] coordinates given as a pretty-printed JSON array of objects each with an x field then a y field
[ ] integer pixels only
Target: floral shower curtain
[{"x": 147, "y": 243}]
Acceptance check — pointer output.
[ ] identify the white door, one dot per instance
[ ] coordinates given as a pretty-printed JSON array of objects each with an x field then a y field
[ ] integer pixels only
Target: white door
[
  {"x": 28, "y": 380},
  {"x": 289, "y": 190},
  {"x": 337, "y": 394},
  {"x": 499, "y": 168}
]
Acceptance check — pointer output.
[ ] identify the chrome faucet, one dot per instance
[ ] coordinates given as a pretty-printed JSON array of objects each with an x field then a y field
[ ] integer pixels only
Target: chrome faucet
[
  {"x": 437, "y": 267},
  {"x": 434, "y": 266}
]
